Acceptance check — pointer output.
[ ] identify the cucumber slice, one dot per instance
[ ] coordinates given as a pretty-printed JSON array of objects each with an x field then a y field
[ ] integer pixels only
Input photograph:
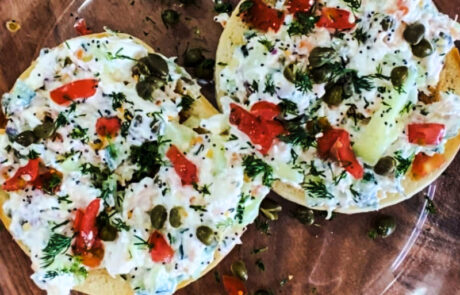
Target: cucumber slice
[{"x": 383, "y": 129}]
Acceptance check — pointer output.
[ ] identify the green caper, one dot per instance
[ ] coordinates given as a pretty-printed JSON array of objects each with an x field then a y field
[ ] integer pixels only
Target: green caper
[
  {"x": 205, "y": 235},
  {"x": 108, "y": 232},
  {"x": 175, "y": 217},
  {"x": 239, "y": 270},
  {"x": 156, "y": 66},
  {"x": 193, "y": 57},
  {"x": 262, "y": 292},
  {"x": 44, "y": 130},
  {"x": 347, "y": 85},
  {"x": 158, "y": 216},
  {"x": 322, "y": 74},
  {"x": 399, "y": 75},
  {"x": 144, "y": 89},
  {"x": 205, "y": 69},
  {"x": 270, "y": 209},
  {"x": 170, "y": 17},
  {"x": 319, "y": 56},
  {"x": 26, "y": 138},
  {"x": 414, "y": 33},
  {"x": 387, "y": 23},
  {"x": 385, "y": 225},
  {"x": 318, "y": 125},
  {"x": 422, "y": 49},
  {"x": 304, "y": 215},
  {"x": 385, "y": 165},
  {"x": 333, "y": 95},
  {"x": 289, "y": 73}
]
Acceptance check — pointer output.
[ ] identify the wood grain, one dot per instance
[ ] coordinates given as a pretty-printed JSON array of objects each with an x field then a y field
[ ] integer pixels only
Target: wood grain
[{"x": 330, "y": 257}]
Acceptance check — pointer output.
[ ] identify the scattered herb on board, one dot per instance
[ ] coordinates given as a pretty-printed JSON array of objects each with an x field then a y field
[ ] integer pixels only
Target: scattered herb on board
[
  {"x": 263, "y": 226},
  {"x": 260, "y": 264},
  {"x": 217, "y": 276},
  {"x": 259, "y": 250},
  {"x": 430, "y": 206}
]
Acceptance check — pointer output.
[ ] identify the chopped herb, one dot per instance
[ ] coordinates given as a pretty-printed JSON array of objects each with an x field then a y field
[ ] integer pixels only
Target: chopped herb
[
  {"x": 304, "y": 24},
  {"x": 64, "y": 199},
  {"x": 217, "y": 276},
  {"x": 50, "y": 184},
  {"x": 288, "y": 107},
  {"x": 240, "y": 208},
  {"x": 61, "y": 120},
  {"x": 199, "y": 208},
  {"x": 76, "y": 269},
  {"x": 302, "y": 81},
  {"x": 57, "y": 244},
  {"x": 118, "y": 98},
  {"x": 267, "y": 43},
  {"x": 142, "y": 243},
  {"x": 360, "y": 35},
  {"x": 403, "y": 164},
  {"x": 296, "y": 134},
  {"x": 407, "y": 108},
  {"x": 260, "y": 264},
  {"x": 369, "y": 177},
  {"x": 263, "y": 226},
  {"x": 269, "y": 85},
  {"x": 353, "y": 4},
  {"x": 118, "y": 55},
  {"x": 59, "y": 225},
  {"x": 254, "y": 166},
  {"x": 317, "y": 189},
  {"x": 232, "y": 137},
  {"x": 186, "y": 102},
  {"x": 78, "y": 132},
  {"x": 338, "y": 178},
  {"x": 148, "y": 158},
  {"x": 33, "y": 155},
  {"x": 202, "y": 190},
  {"x": 430, "y": 207}
]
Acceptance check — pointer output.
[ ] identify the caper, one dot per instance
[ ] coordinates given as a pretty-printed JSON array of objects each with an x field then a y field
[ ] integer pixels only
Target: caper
[
  {"x": 333, "y": 95},
  {"x": 205, "y": 235},
  {"x": 385, "y": 225},
  {"x": 108, "y": 232},
  {"x": 156, "y": 65},
  {"x": 262, "y": 292},
  {"x": 387, "y": 23},
  {"x": 170, "y": 17},
  {"x": 175, "y": 217},
  {"x": 319, "y": 56},
  {"x": 193, "y": 57},
  {"x": 289, "y": 73},
  {"x": 239, "y": 270},
  {"x": 144, "y": 89},
  {"x": 422, "y": 49},
  {"x": 205, "y": 69},
  {"x": 304, "y": 215},
  {"x": 322, "y": 74},
  {"x": 399, "y": 75},
  {"x": 44, "y": 130},
  {"x": 385, "y": 165},
  {"x": 158, "y": 216},
  {"x": 414, "y": 33},
  {"x": 347, "y": 85},
  {"x": 26, "y": 138},
  {"x": 318, "y": 125},
  {"x": 270, "y": 209}
]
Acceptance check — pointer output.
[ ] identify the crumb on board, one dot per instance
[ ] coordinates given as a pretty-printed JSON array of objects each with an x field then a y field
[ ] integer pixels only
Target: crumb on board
[{"x": 12, "y": 26}]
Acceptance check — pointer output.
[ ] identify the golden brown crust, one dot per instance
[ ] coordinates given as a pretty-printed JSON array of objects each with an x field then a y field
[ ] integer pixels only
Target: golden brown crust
[
  {"x": 233, "y": 36},
  {"x": 99, "y": 282}
]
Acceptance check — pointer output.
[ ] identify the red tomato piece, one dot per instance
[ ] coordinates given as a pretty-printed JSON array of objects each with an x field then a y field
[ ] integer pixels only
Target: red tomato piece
[
  {"x": 424, "y": 164},
  {"x": 234, "y": 286},
  {"x": 65, "y": 94},
  {"x": 77, "y": 221},
  {"x": 426, "y": 134},
  {"x": 263, "y": 17},
  {"x": 108, "y": 127},
  {"x": 335, "y": 18},
  {"x": 81, "y": 28},
  {"x": 295, "y": 6},
  {"x": 160, "y": 250},
  {"x": 265, "y": 110},
  {"x": 186, "y": 170},
  {"x": 260, "y": 131},
  {"x": 87, "y": 230},
  {"x": 17, "y": 181},
  {"x": 335, "y": 144},
  {"x": 94, "y": 256},
  {"x": 43, "y": 181}
]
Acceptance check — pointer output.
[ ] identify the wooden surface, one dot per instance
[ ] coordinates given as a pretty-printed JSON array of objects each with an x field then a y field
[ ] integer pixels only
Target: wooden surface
[{"x": 331, "y": 257}]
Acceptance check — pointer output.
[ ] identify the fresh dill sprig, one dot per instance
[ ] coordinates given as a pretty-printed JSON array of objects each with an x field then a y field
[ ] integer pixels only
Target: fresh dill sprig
[
  {"x": 288, "y": 107},
  {"x": 304, "y": 24},
  {"x": 296, "y": 134},
  {"x": 267, "y": 43},
  {"x": 269, "y": 85},
  {"x": 353, "y": 4},
  {"x": 57, "y": 244},
  {"x": 360, "y": 35},
  {"x": 186, "y": 102},
  {"x": 317, "y": 189},
  {"x": 302, "y": 81},
  {"x": 254, "y": 166},
  {"x": 120, "y": 224},
  {"x": 403, "y": 164},
  {"x": 118, "y": 98}
]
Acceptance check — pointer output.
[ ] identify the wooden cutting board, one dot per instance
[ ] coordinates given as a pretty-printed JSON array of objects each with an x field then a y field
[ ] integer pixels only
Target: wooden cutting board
[{"x": 330, "y": 257}]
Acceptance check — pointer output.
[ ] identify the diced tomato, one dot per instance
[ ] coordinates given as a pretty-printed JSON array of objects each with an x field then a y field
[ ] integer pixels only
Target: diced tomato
[
  {"x": 186, "y": 170},
  {"x": 108, "y": 127},
  {"x": 263, "y": 17},
  {"x": 49, "y": 180},
  {"x": 160, "y": 250},
  {"x": 265, "y": 110},
  {"x": 234, "y": 286},
  {"x": 260, "y": 131},
  {"x": 81, "y": 28},
  {"x": 335, "y": 144},
  {"x": 17, "y": 181},
  {"x": 65, "y": 94},
  {"x": 424, "y": 164},
  {"x": 77, "y": 221},
  {"x": 426, "y": 134},
  {"x": 94, "y": 256},
  {"x": 295, "y": 6},
  {"x": 335, "y": 18}
]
